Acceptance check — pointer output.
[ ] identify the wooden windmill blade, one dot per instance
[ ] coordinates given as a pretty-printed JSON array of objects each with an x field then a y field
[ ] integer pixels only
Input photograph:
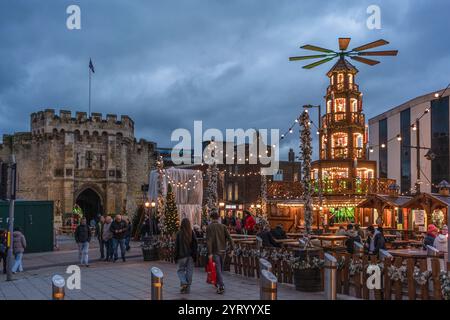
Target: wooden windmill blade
[
  {"x": 343, "y": 43},
  {"x": 379, "y": 53},
  {"x": 366, "y": 61},
  {"x": 315, "y": 48},
  {"x": 317, "y": 63},
  {"x": 308, "y": 57},
  {"x": 371, "y": 45}
]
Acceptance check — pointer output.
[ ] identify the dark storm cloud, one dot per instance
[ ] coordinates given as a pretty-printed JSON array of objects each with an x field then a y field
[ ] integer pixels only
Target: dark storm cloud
[{"x": 168, "y": 63}]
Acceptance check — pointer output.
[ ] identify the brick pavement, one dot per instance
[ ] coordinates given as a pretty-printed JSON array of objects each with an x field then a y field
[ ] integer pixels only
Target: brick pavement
[{"x": 131, "y": 281}]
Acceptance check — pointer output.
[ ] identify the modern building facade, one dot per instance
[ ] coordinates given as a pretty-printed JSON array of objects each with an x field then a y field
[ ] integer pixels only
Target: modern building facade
[{"x": 395, "y": 135}]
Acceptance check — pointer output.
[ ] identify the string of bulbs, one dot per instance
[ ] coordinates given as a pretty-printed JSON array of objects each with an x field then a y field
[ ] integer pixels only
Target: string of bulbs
[{"x": 413, "y": 125}]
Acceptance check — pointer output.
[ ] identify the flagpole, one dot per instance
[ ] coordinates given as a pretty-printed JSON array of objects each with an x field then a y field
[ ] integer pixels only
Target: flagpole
[{"x": 89, "y": 93}]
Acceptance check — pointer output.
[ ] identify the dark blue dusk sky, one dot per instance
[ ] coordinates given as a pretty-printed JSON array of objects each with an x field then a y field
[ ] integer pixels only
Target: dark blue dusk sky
[{"x": 168, "y": 63}]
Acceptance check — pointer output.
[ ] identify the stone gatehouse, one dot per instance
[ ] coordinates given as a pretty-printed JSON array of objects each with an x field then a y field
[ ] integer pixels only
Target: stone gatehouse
[{"x": 94, "y": 162}]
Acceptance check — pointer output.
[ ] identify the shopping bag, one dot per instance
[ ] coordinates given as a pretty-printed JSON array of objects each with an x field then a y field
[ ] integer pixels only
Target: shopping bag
[{"x": 211, "y": 272}]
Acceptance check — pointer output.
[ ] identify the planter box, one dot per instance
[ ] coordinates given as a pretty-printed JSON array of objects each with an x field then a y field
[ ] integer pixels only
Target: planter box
[
  {"x": 150, "y": 254},
  {"x": 308, "y": 280}
]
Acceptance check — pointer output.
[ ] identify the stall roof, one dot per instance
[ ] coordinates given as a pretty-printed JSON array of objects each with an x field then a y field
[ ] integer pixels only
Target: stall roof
[
  {"x": 444, "y": 200},
  {"x": 387, "y": 199}
]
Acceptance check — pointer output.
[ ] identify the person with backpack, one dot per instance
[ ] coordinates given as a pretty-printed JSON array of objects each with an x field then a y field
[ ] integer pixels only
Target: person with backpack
[
  {"x": 217, "y": 236},
  {"x": 185, "y": 254},
  {"x": 82, "y": 238},
  {"x": 3, "y": 248}
]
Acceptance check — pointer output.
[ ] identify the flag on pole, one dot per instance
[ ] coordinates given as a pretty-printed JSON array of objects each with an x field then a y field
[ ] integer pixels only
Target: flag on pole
[{"x": 91, "y": 66}]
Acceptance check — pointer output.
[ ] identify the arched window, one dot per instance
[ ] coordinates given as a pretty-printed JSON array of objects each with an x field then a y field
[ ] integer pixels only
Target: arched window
[
  {"x": 339, "y": 142},
  {"x": 328, "y": 106},
  {"x": 353, "y": 105},
  {"x": 340, "y": 78},
  {"x": 350, "y": 79}
]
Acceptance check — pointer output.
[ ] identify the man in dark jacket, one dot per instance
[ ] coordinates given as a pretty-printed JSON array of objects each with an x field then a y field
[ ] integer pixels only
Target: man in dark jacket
[
  {"x": 82, "y": 238},
  {"x": 119, "y": 231},
  {"x": 267, "y": 238},
  {"x": 375, "y": 240},
  {"x": 217, "y": 236},
  {"x": 278, "y": 233}
]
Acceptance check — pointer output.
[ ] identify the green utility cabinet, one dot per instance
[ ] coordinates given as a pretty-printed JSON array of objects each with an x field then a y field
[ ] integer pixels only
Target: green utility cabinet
[{"x": 35, "y": 219}]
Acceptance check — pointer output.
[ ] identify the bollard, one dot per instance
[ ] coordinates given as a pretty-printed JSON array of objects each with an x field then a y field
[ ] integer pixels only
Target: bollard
[
  {"x": 157, "y": 283},
  {"x": 330, "y": 273},
  {"x": 264, "y": 265},
  {"x": 58, "y": 285},
  {"x": 268, "y": 285}
]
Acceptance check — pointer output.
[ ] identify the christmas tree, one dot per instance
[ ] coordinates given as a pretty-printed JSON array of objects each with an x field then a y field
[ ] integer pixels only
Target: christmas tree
[{"x": 171, "y": 219}]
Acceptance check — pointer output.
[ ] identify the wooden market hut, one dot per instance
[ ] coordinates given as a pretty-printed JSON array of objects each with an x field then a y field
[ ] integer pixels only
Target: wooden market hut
[
  {"x": 389, "y": 207},
  {"x": 435, "y": 206}
]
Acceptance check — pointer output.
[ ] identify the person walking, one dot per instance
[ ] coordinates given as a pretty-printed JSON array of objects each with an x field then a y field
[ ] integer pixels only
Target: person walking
[
  {"x": 217, "y": 236},
  {"x": 127, "y": 234},
  {"x": 82, "y": 238},
  {"x": 107, "y": 238},
  {"x": 19, "y": 246},
  {"x": 119, "y": 230},
  {"x": 99, "y": 233},
  {"x": 185, "y": 254},
  {"x": 3, "y": 248}
]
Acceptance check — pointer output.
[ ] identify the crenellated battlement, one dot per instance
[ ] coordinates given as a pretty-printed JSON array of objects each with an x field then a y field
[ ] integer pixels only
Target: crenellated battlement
[{"x": 48, "y": 121}]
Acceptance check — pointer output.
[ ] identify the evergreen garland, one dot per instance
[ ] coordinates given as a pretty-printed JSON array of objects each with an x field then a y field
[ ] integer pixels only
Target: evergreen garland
[
  {"x": 305, "y": 155},
  {"x": 160, "y": 199},
  {"x": 171, "y": 219},
  {"x": 212, "y": 196}
]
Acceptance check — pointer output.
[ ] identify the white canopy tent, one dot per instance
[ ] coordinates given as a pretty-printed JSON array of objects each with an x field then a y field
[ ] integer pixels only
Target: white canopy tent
[{"x": 187, "y": 186}]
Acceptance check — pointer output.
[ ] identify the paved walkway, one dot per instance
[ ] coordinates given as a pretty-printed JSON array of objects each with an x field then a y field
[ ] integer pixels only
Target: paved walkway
[{"x": 131, "y": 281}]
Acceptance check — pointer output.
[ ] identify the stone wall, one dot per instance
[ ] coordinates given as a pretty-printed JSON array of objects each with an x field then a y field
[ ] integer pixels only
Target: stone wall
[{"x": 63, "y": 155}]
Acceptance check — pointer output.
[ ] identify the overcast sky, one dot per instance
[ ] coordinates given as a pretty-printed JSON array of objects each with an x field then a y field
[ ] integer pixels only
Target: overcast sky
[{"x": 167, "y": 63}]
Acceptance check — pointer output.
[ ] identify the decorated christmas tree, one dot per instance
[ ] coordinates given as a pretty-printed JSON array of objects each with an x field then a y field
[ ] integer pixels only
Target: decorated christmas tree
[
  {"x": 171, "y": 219},
  {"x": 160, "y": 205},
  {"x": 205, "y": 215}
]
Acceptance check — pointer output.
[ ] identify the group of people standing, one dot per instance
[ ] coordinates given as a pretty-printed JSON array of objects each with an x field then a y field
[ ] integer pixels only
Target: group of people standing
[
  {"x": 111, "y": 234},
  {"x": 245, "y": 225}
]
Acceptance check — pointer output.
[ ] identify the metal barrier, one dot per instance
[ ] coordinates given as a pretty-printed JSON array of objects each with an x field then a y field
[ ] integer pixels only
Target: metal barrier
[
  {"x": 268, "y": 283},
  {"x": 264, "y": 265},
  {"x": 330, "y": 273},
  {"x": 58, "y": 287},
  {"x": 157, "y": 283}
]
